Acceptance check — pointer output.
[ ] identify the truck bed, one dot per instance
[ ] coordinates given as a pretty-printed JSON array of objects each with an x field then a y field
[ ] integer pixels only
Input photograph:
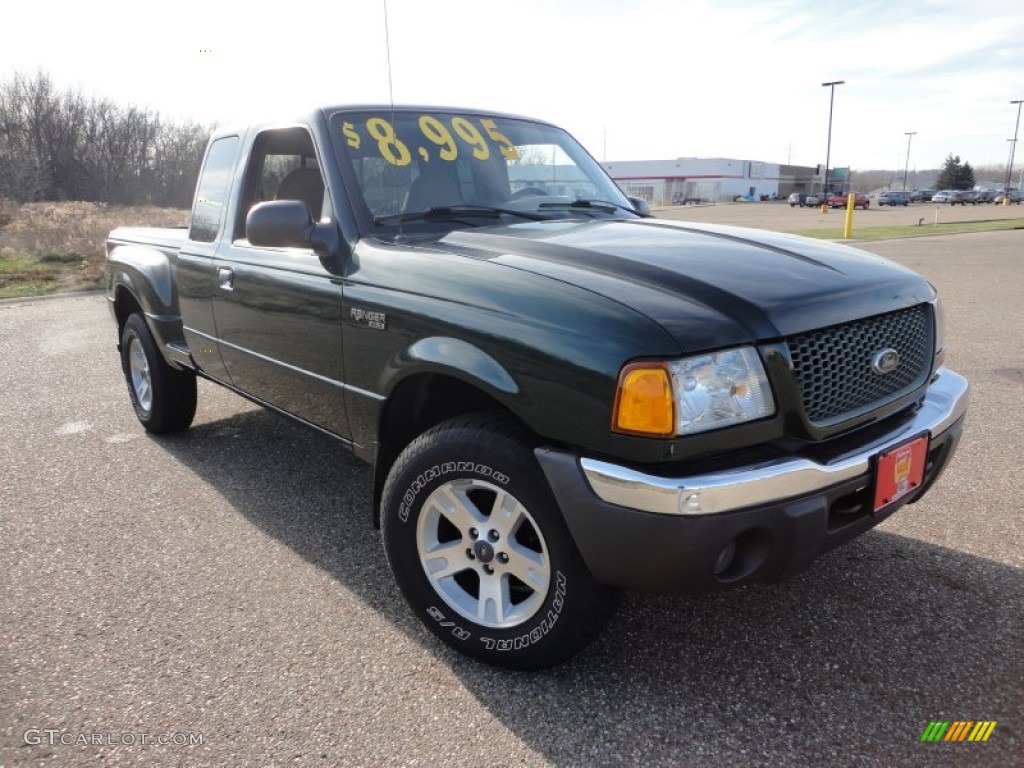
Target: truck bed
[{"x": 161, "y": 237}]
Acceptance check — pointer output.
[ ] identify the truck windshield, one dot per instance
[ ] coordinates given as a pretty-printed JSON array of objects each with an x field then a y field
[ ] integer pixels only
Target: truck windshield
[{"x": 409, "y": 165}]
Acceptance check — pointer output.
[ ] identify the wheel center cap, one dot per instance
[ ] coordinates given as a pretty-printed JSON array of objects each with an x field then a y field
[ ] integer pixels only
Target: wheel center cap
[{"x": 484, "y": 552}]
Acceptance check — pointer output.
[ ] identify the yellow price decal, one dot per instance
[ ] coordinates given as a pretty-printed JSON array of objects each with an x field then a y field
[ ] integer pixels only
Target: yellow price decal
[
  {"x": 396, "y": 152},
  {"x": 387, "y": 142},
  {"x": 469, "y": 134},
  {"x": 508, "y": 150},
  {"x": 350, "y": 133},
  {"x": 435, "y": 131}
]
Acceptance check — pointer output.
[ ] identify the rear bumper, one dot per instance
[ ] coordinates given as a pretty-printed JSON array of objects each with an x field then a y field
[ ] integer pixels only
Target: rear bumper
[{"x": 643, "y": 531}]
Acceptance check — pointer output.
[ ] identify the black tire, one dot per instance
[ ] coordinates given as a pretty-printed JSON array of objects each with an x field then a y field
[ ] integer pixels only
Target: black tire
[
  {"x": 164, "y": 398},
  {"x": 468, "y": 464}
]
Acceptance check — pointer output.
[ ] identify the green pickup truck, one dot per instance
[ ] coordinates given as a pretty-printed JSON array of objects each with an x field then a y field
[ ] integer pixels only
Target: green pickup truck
[{"x": 560, "y": 395}]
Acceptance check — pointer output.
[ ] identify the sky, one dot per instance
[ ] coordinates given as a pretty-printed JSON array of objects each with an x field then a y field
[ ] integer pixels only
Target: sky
[{"x": 630, "y": 79}]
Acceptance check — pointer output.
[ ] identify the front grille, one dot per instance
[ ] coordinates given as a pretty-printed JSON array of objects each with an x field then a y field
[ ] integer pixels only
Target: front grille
[{"x": 833, "y": 365}]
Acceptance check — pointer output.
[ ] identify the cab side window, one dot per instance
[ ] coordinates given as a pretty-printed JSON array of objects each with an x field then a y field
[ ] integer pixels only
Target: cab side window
[
  {"x": 283, "y": 166},
  {"x": 212, "y": 192}
]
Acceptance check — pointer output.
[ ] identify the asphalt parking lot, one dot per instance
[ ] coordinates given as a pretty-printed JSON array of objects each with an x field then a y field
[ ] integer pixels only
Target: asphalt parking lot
[
  {"x": 227, "y": 582},
  {"x": 779, "y": 215}
]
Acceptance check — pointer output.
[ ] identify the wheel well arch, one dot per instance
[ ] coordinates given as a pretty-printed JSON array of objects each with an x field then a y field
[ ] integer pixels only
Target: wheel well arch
[
  {"x": 125, "y": 305},
  {"x": 415, "y": 405}
]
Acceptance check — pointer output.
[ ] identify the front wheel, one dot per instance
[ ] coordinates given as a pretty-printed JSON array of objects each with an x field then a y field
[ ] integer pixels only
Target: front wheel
[
  {"x": 164, "y": 398},
  {"x": 479, "y": 549}
]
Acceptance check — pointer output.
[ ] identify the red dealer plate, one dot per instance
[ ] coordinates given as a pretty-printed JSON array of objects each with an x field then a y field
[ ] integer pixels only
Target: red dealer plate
[{"x": 899, "y": 471}]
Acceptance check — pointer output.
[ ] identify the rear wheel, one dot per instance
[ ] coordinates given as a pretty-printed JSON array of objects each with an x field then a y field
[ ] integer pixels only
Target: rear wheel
[
  {"x": 164, "y": 398},
  {"x": 479, "y": 549}
]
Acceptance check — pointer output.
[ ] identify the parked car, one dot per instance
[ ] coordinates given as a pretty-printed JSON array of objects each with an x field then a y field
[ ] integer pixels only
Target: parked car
[
  {"x": 894, "y": 197},
  {"x": 798, "y": 198},
  {"x": 813, "y": 200},
  {"x": 1013, "y": 194},
  {"x": 839, "y": 201},
  {"x": 951, "y": 196},
  {"x": 921, "y": 195},
  {"x": 968, "y": 196},
  {"x": 984, "y": 195}
]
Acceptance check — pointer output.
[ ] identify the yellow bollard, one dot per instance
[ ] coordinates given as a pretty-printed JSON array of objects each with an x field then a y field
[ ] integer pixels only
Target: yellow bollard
[{"x": 849, "y": 215}]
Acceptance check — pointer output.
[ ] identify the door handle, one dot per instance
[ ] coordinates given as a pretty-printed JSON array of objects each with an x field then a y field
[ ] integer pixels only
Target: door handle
[{"x": 225, "y": 279}]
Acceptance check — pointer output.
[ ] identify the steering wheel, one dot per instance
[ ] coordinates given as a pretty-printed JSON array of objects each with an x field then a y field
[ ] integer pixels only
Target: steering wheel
[{"x": 528, "y": 192}]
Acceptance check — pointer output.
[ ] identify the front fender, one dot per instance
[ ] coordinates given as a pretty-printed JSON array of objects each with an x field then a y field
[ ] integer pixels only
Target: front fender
[
  {"x": 461, "y": 358},
  {"x": 454, "y": 357}
]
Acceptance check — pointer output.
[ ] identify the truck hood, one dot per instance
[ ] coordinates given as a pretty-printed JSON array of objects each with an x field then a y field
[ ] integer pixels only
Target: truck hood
[{"x": 707, "y": 286}]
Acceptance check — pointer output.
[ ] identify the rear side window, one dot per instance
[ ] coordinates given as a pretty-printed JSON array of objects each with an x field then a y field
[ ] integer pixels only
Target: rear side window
[{"x": 211, "y": 196}]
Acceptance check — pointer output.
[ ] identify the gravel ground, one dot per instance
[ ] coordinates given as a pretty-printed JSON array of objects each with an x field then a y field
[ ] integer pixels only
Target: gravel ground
[{"x": 227, "y": 582}]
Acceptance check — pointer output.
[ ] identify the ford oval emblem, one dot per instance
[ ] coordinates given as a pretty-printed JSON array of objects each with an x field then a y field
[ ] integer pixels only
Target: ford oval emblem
[{"x": 885, "y": 361}]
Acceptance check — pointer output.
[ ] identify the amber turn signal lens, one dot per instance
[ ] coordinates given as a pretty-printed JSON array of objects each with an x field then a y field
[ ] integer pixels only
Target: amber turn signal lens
[{"x": 643, "y": 403}]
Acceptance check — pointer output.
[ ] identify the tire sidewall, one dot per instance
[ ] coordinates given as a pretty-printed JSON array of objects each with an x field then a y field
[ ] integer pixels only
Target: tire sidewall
[
  {"x": 547, "y": 636},
  {"x": 173, "y": 391},
  {"x": 131, "y": 333}
]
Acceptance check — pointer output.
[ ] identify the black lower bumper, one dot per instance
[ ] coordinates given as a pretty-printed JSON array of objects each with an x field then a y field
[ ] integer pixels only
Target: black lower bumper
[{"x": 678, "y": 553}]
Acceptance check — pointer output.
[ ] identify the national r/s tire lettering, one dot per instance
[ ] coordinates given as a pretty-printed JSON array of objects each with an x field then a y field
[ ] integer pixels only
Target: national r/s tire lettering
[{"x": 480, "y": 551}]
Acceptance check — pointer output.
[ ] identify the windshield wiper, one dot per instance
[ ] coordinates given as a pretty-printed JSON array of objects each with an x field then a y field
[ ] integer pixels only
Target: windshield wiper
[
  {"x": 599, "y": 205},
  {"x": 443, "y": 212}
]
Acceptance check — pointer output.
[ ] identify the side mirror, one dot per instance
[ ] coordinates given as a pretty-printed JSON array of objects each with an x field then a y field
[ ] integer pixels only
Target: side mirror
[
  {"x": 640, "y": 206},
  {"x": 288, "y": 224},
  {"x": 280, "y": 224}
]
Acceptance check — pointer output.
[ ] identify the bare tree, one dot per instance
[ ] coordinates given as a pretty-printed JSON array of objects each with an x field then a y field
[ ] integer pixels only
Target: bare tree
[{"x": 61, "y": 146}]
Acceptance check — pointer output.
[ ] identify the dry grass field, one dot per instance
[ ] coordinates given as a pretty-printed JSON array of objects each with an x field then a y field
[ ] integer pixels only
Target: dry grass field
[{"x": 52, "y": 247}]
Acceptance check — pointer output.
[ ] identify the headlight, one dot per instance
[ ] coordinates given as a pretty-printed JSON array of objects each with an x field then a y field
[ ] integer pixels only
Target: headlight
[{"x": 695, "y": 394}]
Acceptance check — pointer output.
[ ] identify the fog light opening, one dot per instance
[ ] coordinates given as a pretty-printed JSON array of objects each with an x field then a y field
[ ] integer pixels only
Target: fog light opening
[{"x": 725, "y": 558}]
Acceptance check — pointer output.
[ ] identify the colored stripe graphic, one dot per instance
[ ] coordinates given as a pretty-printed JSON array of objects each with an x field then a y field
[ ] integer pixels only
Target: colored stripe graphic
[
  {"x": 982, "y": 730},
  {"x": 935, "y": 730},
  {"x": 958, "y": 730}
]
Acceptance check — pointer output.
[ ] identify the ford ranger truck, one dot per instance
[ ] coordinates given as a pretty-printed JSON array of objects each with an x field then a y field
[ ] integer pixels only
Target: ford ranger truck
[{"x": 560, "y": 396}]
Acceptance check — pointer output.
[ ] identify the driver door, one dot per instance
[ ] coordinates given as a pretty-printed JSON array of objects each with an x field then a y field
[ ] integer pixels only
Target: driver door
[{"x": 278, "y": 311}]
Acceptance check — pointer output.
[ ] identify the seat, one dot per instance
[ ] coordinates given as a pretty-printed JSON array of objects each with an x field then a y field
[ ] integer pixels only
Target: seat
[
  {"x": 306, "y": 185},
  {"x": 433, "y": 188}
]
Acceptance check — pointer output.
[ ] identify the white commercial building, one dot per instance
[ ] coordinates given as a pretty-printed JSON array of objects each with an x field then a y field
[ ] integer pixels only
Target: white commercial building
[{"x": 694, "y": 179}]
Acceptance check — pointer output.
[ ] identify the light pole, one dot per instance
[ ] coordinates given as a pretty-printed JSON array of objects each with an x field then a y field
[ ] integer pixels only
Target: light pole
[
  {"x": 1013, "y": 146},
  {"x": 828, "y": 148},
  {"x": 1009, "y": 166},
  {"x": 906, "y": 167}
]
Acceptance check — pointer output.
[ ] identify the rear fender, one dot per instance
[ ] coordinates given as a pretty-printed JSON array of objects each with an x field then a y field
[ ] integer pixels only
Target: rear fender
[{"x": 146, "y": 276}]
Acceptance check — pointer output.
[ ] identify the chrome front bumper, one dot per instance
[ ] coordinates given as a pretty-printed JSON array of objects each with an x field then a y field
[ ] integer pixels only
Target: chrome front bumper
[{"x": 945, "y": 402}]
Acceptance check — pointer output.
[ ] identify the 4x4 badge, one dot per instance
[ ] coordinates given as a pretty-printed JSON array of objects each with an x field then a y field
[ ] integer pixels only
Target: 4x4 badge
[{"x": 885, "y": 361}]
